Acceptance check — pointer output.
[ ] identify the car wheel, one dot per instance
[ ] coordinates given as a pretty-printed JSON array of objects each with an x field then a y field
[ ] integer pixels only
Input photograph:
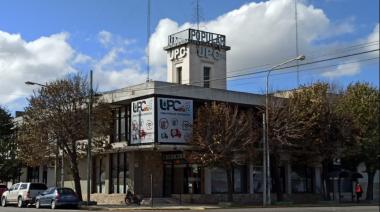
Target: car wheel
[
  {"x": 20, "y": 204},
  {"x": 38, "y": 204},
  {"x": 4, "y": 202},
  {"x": 53, "y": 206}
]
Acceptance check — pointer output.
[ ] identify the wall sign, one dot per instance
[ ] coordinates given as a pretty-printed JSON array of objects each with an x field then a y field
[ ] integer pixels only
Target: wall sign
[
  {"x": 177, "y": 53},
  {"x": 209, "y": 53},
  {"x": 175, "y": 120},
  {"x": 142, "y": 121}
]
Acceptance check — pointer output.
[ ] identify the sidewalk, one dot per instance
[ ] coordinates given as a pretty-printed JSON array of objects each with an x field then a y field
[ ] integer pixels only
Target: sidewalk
[
  {"x": 155, "y": 207},
  {"x": 206, "y": 207}
]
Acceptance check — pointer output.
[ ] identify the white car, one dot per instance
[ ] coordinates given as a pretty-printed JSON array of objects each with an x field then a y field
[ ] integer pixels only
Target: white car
[{"x": 22, "y": 194}]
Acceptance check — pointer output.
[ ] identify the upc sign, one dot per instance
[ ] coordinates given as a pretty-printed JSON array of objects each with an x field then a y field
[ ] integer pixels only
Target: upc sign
[
  {"x": 177, "y": 53},
  {"x": 141, "y": 106},
  {"x": 175, "y": 105}
]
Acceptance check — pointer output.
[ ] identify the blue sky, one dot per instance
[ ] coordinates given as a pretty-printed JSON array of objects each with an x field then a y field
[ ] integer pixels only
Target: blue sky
[{"x": 42, "y": 40}]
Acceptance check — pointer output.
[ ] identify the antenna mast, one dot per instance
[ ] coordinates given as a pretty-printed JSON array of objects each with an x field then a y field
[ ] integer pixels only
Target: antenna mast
[
  {"x": 297, "y": 48},
  {"x": 147, "y": 40},
  {"x": 197, "y": 14}
]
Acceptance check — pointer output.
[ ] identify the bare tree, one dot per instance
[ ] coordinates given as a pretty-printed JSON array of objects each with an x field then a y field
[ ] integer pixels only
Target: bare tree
[
  {"x": 57, "y": 114},
  {"x": 223, "y": 137}
]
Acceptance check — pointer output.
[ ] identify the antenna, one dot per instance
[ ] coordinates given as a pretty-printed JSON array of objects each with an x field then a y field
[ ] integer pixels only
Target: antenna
[
  {"x": 147, "y": 41},
  {"x": 197, "y": 14},
  {"x": 297, "y": 48}
]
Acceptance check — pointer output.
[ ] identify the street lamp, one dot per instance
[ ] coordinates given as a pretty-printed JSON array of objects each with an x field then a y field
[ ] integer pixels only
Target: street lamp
[
  {"x": 57, "y": 154},
  {"x": 266, "y": 159}
]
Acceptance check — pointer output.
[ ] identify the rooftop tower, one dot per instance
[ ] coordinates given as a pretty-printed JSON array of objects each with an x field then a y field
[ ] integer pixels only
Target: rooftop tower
[{"x": 196, "y": 57}]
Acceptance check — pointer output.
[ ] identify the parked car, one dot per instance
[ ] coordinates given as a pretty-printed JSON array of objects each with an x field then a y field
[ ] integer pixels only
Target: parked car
[
  {"x": 3, "y": 188},
  {"x": 22, "y": 194},
  {"x": 58, "y": 197}
]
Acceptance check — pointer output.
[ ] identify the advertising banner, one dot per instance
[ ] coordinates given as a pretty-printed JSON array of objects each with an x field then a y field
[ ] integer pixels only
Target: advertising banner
[
  {"x": 175, "y": 120},
  {"x": 142, "y": 120}
]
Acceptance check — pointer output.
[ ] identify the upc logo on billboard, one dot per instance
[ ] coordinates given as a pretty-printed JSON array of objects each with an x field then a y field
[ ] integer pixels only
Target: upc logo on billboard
[
  {"x": 176, "y": 105},
  {"x": 141, "y": 106}
]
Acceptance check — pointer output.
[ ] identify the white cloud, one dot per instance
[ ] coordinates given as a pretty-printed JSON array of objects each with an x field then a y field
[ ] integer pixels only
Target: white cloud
[
  {"x": 258, "y": 33},
  {"x": 349, "y": 69},
  {"x": 40, "y": 60},
  {"x": 104, "y": 37}
]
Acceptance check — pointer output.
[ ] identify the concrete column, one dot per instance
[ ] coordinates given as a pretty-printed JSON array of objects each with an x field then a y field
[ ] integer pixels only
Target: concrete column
[
  {"x": 317, "y": 180},
  {"x": 106, "y": 160},
  {"x": 251, "y": 191},
  {"x": 41, "y": 173},
  {"x": 207, "y": 181},
  {"x": 288, "y": 177}
]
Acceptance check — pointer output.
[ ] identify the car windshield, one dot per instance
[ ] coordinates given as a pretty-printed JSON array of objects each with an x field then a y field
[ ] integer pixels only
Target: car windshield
[
  {"x": 66, "y": 191},
  {"x": 37, "y": 186}
]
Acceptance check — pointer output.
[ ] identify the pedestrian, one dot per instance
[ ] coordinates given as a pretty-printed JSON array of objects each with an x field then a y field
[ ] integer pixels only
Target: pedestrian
[{"x": 358, "y": 191}]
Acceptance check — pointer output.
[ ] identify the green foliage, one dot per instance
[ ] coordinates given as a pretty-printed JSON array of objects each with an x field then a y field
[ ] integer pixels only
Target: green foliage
[
  {"x": 9, "y": 165},
  {"x": 360, "y": 102}
]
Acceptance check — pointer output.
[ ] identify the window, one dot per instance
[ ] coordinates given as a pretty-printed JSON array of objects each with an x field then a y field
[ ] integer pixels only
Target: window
[
  {"x": 118, "y": 173},
  {"x": 206, "y": 77},
  {"x": 33, "y": 174},
  {"x": 179, "y": 75},
  {"x": 23, "y": 186},
  {"x": 121, "y": 126},
  {"x": 302, "y": 179},
  {"x": 219, "y": 180},
  {"x": 37, "y": 186}
]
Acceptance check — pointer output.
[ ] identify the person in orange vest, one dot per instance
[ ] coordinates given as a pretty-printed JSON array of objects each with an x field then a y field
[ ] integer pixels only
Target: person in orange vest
[{"x": 358, "y": 191}]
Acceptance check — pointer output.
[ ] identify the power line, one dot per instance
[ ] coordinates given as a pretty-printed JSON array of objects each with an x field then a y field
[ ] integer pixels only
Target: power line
[
  {"x": 260, "y": 72},
  {"x": 337, "y": 52},
  {"x": 310, "y": 69}
]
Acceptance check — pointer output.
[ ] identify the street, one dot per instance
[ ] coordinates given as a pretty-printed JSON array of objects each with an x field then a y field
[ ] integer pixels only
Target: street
[{"x": 289, "y": 209}]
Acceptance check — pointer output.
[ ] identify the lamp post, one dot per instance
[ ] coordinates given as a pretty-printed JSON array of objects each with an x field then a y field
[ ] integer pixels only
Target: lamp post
[
  {"x": 266, "y": 159},
  {"x": 89, "y": 142},
  {"x": 57, "y": 150}
]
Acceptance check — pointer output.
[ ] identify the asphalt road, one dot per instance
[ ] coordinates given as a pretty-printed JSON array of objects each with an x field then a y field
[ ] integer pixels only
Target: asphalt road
[{"x": 290, "y": 209}]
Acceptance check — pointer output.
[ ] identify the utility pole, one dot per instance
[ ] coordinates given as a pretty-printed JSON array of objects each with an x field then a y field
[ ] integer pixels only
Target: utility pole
[
  {"x": 89, "y": 142},
  {"x": 62, "y": 170},
  {"x": 147, "y": 41},
  {"x": 264, "y": 161}
]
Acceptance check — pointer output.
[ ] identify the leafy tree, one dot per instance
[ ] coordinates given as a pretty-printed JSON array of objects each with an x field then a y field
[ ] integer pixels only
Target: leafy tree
[
  {"x": 284, "y": 129},
  {"x": 360, "y": 102},
  {"x": 57, "y": 114},
  {"x": 325, "y": 131},
  {"x": 223, "y": 137},
  {"x": 9, "y": 165}
]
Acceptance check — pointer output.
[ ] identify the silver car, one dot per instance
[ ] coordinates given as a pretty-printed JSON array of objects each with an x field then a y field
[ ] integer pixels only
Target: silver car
[{"x": 22, "y": 194}]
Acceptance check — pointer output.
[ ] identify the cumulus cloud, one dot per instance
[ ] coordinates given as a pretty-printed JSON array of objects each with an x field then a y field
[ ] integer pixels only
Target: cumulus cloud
[
  {"x": 258, "y": 33},
  {"x": 349, "y": 69},
  {"x": 40, "y": 60}
]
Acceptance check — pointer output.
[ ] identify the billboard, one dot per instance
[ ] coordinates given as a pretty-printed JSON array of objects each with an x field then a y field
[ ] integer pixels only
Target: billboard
[
  {"x": 175, "y": 120},
  {"x": 142, "y": 121}
]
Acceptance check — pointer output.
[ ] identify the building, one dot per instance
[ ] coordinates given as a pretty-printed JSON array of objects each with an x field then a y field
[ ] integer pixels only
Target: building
[{"x": 152, "y": 122}]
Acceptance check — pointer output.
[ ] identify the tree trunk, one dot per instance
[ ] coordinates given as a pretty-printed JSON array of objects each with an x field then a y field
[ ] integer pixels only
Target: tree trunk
[
  {"x": 371, "y": 176},
  {"x": 229, "y": 184},
  {"x": 277, "y": 179},
  {"x": 326, "y": 182},
  {"x": 76, "y": 177}
]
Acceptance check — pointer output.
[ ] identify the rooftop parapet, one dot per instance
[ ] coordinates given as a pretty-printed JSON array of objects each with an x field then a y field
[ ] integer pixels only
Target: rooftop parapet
[{"x": 197, "y": 37}]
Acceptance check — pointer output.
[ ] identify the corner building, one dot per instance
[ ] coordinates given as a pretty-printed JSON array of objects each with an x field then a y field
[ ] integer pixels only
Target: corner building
[{"x": 152, "y": 123}]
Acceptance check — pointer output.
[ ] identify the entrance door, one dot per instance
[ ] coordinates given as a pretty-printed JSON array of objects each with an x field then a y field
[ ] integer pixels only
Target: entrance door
[{"x": 168, "y": 176}]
